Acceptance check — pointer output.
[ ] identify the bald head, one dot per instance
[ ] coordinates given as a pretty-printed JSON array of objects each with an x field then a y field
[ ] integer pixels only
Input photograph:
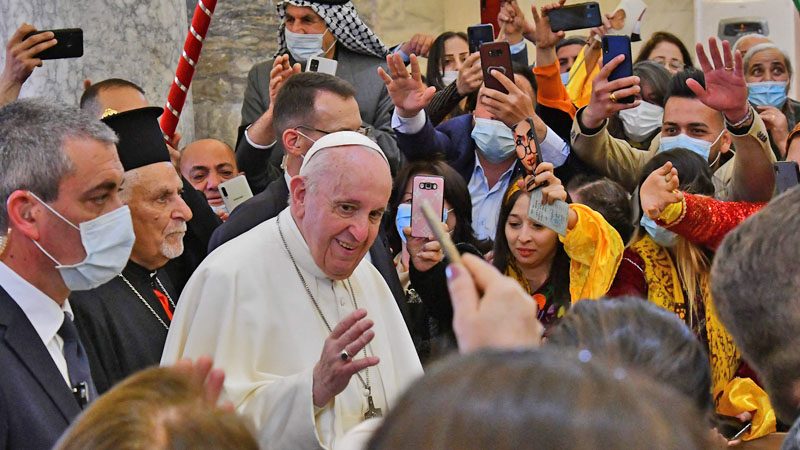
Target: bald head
[
  {"x": 337, "y": 202},
  {"x": 746, "y": 42}
]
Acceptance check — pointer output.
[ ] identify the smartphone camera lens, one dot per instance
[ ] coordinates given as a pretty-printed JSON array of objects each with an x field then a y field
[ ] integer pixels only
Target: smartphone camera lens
[
  {"x": 314, "y": 64},
  {"x": 224, "y": 192}
]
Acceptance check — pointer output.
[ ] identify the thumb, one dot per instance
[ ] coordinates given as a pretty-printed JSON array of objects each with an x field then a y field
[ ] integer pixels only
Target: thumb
[
  {"x": 695, "y": 87},
  {"x": 463, "y": 292}
]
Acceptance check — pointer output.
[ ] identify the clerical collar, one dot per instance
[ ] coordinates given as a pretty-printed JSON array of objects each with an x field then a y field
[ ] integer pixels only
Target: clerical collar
[
  {"x": 136, "y": 272},
  {"x": 298, "y": 246}
]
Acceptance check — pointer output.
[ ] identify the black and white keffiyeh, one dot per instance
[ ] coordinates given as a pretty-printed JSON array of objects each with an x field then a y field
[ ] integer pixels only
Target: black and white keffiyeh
[{"x": 343, "y": 22}]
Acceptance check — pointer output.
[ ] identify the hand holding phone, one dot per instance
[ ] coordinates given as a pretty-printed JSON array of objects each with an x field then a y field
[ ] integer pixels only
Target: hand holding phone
[
  {"x": 69, "y": 44},
  {"x": 612, "y": 47},
  {"x": 427, "y": 189},
  {"x": 235, "y": 192}
]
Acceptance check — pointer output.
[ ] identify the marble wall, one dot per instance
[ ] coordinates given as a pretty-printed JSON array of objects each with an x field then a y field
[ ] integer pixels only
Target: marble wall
[{"x": 138, "y": 41}]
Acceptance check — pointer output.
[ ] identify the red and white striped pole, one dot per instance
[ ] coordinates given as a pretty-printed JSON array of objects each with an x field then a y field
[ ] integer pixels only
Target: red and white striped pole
[{"x": 186, "y": 65}]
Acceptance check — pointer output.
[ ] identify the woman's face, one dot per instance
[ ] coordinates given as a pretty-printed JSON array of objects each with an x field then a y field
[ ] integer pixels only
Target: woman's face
[
  {"x": 409, "y": 192},
  {"x": 767, "y": 65},
  {"x": 455, "y": 52},
  {"x": 668, "y": 55},
  {"x": 530, "y": 243}
]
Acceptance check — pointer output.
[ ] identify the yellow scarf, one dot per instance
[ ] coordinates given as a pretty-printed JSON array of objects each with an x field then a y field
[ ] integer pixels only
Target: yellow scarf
[{"x": 664, "y": 288}]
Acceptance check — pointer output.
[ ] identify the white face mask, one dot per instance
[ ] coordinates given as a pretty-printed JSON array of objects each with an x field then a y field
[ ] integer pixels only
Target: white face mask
[
  {"x": 304, "y": 46},
  {"x": 449, "y": 76},
  {"x": 699, "y": 146},
  {"x": 640, "y": 122},
  {"x": 107, "y": 240}
]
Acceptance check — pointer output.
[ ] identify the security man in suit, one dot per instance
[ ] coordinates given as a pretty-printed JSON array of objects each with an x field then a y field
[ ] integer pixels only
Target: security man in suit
[{"x": 67, "y": 230}]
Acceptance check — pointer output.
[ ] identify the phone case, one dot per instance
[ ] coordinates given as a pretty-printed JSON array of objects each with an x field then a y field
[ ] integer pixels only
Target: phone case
[
  {"x": 427, "y": 189},
  {"x": 497, "y": 56},
  {"x": 489, "y": 11},
  {"x": 478, "y": 35},
  {"x": 70, "y": 44},
  {"x": 575, "y": 17},
  {"x": 787, "y": 175},
  {"x": 322, "y": 65},
  {"x": 619, "y": 45},
  {"x": 235, "y": 192}
]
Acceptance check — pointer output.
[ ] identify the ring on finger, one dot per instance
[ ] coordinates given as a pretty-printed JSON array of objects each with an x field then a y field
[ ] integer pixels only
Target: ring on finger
[
  {"x": 612, "y": 97},
  {"x": 345, "y": 355},
  {"x": 729, "y": 69}
]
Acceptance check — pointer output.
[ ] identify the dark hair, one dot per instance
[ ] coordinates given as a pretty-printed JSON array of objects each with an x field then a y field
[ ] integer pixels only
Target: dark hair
[
  {"x": 678, "y": 87},
  {"x": 572, "y": 40},
  {"x": 539, "y": 399},
  {"x": 756, "y": 290},
  {"x": 656, "y": 76},
  {"x": 436, "y": 57},
  {"x": 663, "y": 36},
  {"x": 559, "y": 269},
  {"x": 606, "y": 197},
  {"x": 89, "y": 101},
  {"x": 527, "y": 73},
  {"x": 294, "y": 104},
  {"x": 455, "y": 192},
  {"x": 693, "y": 172},
  {"x": 643, "y": 336}
]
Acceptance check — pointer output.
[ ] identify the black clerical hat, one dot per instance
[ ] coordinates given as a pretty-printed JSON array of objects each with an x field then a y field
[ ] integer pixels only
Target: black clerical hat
[{"x": 141, "y": 141}]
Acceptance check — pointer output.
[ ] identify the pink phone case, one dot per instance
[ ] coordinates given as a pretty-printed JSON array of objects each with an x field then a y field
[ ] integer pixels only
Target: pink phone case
[{"x": 430, "y": 189}]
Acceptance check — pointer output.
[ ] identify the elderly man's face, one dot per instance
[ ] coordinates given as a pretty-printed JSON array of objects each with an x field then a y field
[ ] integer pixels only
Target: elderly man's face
[
  {"x": 340, "y": 211},
  {"x": 767, "y": 65},
  {"x": 86, "y": 193},
  {"x": 159, "y": 214},
  {"x": 207, "y": 163},
  {"x": 303, "y": 20}
]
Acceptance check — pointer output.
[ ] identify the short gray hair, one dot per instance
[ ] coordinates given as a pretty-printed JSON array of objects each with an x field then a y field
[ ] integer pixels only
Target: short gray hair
[
  {"x": 32, "y": 135},
  {"x": 758, "y": 48}
]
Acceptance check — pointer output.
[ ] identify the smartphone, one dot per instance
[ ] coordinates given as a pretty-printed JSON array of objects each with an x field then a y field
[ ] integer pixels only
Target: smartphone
[
  {"x": 428, "y": 189},
  {"x": 787, "y": 176},
  {"x": 320, "y": 64},
  {"x": 731, "y": 427},
  {"x": 497, "y": 56},
  {"x": 575, "y": 17},
  {"x": 612, "y": 47},
  {"x": 478, "y": 35},
  {"x": 489, "y": 11},
  {"x": 70, "y": 44},
  {"x": 235, "y": 192}
]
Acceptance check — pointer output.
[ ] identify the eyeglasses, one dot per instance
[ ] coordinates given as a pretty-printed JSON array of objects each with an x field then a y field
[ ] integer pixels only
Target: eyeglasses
[
  {"x": 361, "y": 130},
  {"x": 673, "y": 64}
]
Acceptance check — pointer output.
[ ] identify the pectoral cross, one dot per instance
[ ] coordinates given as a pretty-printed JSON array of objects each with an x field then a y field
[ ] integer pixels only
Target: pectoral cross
[{"x": 372, "y": 411}]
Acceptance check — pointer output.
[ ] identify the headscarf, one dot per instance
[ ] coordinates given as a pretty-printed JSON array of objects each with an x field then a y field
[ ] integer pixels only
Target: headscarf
[{"x": 342, "y": 21}]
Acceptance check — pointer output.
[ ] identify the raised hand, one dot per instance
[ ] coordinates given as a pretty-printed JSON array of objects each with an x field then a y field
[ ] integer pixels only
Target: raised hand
[
  {"x": 201, "y": 373},
  {"x": 21, "y": 60},
  {"x": 513, "y": 24},
  {"x": 490, "y": 310},
  {"x": 544, "y": 37},
  {"x": 281, "y": 71},
  {"x": 419, "y": 44},
  {"x": 508, "y": 108},
  {"x": 726, "y": 89},
  {"x": 332, "y": 373},
  {"x": 605, "y": 94},
  {"x": 470, "y": 75},
  {"x": 660, "y": 190},
  {"x": 409, "y": 94}
]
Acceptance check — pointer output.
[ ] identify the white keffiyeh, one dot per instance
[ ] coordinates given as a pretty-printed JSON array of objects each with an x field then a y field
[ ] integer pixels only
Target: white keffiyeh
[{"x": 343, "y": 22}]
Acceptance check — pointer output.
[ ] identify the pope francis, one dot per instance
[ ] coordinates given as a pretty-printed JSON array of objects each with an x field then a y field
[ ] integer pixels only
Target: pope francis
[{"x": 307, "y": 331}]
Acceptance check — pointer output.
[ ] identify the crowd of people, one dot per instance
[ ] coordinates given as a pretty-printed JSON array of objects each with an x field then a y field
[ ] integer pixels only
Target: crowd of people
[{"x": 137, "y": 310}]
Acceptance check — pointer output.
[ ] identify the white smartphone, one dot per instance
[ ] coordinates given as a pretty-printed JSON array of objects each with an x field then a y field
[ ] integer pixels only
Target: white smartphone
[
  {"x": 320, "y": 64},
  {"x": 235, "y": 192}
]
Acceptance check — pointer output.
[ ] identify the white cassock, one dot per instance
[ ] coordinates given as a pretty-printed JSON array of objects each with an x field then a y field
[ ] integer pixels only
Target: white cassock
[{"x": 246, "y": 307}]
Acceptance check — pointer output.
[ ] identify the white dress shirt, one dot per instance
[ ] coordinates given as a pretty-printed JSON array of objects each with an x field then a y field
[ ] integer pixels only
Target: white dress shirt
[{"x": 42, "y": 312}]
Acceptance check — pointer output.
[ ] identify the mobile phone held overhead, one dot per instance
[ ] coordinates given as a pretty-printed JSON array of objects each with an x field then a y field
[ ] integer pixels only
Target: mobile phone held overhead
[
  {"x": 69, "y": 44},
  {"x": 575, "y": 17}
]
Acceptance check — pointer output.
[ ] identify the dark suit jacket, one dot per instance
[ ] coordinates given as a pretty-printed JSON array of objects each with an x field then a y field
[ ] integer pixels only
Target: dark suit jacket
[
  {"x": 374, "y": 103},
  {"x": 36, "y": 406},
  {"x": 272, "y": 201}
]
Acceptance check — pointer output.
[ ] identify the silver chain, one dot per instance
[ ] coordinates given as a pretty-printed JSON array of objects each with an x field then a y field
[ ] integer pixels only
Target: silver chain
[
  {"x": 366, "y": 383},
  {"x": 166, "y": 327}
]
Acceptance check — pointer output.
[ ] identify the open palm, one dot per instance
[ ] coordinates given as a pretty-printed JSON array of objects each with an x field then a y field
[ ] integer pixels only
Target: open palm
[
  {"x": 409, "y": 94},
  {"x": 726, "y": 89}
]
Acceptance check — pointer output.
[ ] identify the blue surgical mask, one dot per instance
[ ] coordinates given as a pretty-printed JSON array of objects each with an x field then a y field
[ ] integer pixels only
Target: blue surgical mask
[
  {"x": 449, "y": 77},
  {"x": 403, "y": 218},
  {"x": 698, "y": 146},
  {"x": 565, "y": 78},
  {"x": 494, "y": 139},
  {"x": 303, "y": 46},
  {"x": 660, "y": 235},
  {"x": 107, "y": 240},
  {"x": 767, "y": 93}
]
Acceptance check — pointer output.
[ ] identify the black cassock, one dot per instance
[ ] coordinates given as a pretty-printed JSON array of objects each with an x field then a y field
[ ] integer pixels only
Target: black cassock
[{"x": 122, "y": 335}]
